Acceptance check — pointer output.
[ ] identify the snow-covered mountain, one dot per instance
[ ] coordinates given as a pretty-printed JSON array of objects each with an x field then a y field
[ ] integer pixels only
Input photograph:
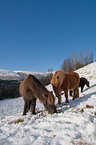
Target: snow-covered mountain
[
  {"x": 73, "y": 124},
  {"x": 7, "y": 74},
  {"x": 18, "y": 75}
]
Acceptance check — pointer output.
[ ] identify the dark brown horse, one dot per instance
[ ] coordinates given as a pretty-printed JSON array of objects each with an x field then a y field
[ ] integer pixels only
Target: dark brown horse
[
  {"x": 62, "y": 81},
  {"x": 83, "y": 82},
  {"x": 31, "y": 89}
]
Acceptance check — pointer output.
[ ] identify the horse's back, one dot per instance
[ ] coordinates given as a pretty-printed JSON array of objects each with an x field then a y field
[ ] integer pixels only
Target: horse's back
[
  {"x": 82, "y": 79},
  {"x": 25, "y": 85},
  {"x": 31, "y": 83}
]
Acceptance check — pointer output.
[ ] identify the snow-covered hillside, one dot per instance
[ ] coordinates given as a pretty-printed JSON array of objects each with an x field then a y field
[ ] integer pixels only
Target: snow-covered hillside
[
  {"x": 88, "y": 71},
  {"x": 73, "y": 124}
]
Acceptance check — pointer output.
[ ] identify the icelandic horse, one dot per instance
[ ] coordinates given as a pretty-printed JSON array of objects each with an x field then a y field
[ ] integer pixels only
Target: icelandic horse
[
  {"x": 62, "y": 81},
  {"x": 32, "y": 89}
]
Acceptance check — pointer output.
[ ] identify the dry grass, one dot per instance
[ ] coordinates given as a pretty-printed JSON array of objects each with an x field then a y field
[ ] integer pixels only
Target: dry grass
[
  {"x": 81, "y": 142},
  {"x": 89, "y": 106},
  {"x": 17, "y": 121},
  {"x": 95, "y": 113}
]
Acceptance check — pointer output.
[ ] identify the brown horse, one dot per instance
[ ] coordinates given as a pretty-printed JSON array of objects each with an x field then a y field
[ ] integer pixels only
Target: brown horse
[
  {"x": 31, "y": 89},
  {"x": 62, "y": 81}
]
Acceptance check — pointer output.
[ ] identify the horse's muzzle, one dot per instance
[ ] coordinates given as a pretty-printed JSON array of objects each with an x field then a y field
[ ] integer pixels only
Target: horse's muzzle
[{"x": 51, "y": 108}]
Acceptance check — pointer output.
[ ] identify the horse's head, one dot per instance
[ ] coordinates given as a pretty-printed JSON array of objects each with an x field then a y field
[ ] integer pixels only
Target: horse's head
[
  {"x": 57, "y": 81},
  {"x": 51, "y": 108},
  {"x": 58, "y": 78},
  {"x": 50, "y": 102}
]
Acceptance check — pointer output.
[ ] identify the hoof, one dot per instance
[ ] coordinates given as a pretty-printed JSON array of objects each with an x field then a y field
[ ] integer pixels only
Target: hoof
[{"x": 34, "y": 113}]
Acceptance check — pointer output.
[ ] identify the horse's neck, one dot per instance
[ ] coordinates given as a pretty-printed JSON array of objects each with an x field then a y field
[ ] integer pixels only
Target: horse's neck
[
  {"x": 86, "y": 81},
  {"x": 40, "y": 89}
]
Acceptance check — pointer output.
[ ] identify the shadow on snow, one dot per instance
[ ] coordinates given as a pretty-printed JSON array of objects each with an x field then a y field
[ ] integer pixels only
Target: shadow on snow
[{"x": 74, "y": 103}]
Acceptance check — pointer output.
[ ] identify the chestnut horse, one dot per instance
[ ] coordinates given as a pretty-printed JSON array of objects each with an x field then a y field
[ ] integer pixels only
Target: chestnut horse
[
  {"x": 62, "y": 81},
  {"x": 31, "y": 89}
]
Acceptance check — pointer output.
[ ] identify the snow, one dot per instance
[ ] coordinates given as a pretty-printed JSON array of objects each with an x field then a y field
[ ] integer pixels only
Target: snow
[
  {"x": 74, "y": 123},
  {"x": 17, "y": 75},
  {"x": 7, "y": 74},
  {"x": 30, "y": 72}
]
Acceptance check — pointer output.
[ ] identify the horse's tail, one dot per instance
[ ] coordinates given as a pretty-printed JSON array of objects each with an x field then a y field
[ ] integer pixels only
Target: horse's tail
[
  {"x": 77, "y": 77},
  {"x": 76, "y": 90}
]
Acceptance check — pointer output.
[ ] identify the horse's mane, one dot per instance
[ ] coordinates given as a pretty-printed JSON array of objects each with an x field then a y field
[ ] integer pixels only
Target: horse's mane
[
  {"x": 38, "y": 82},
  {"x": 59, "y": 71},
  {"x": 58, "y": 77}
]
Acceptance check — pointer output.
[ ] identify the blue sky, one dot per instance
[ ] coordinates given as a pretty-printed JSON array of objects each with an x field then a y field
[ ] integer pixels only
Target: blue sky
[{"x": 36, "y": 35}]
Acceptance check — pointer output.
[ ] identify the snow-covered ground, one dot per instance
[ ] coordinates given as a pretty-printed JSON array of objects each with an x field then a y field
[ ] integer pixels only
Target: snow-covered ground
[{"x": 73, "y": 124}]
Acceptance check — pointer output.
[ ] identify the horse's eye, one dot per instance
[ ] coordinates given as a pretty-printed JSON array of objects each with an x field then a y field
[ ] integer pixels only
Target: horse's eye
[{"x": 57, "y": 77}]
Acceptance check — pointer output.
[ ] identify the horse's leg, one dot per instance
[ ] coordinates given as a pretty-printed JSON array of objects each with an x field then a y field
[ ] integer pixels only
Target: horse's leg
[
  {"x": 33, "y": 105},
  {"x": 59, "y": 100},
  {"x": 70, "y": 92},
  {"x": 25, "y": 107},
  {"x": 76, "y": 93},
  {"x": 66, "y": 96},
  {"x": 82, "y": 88}
]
